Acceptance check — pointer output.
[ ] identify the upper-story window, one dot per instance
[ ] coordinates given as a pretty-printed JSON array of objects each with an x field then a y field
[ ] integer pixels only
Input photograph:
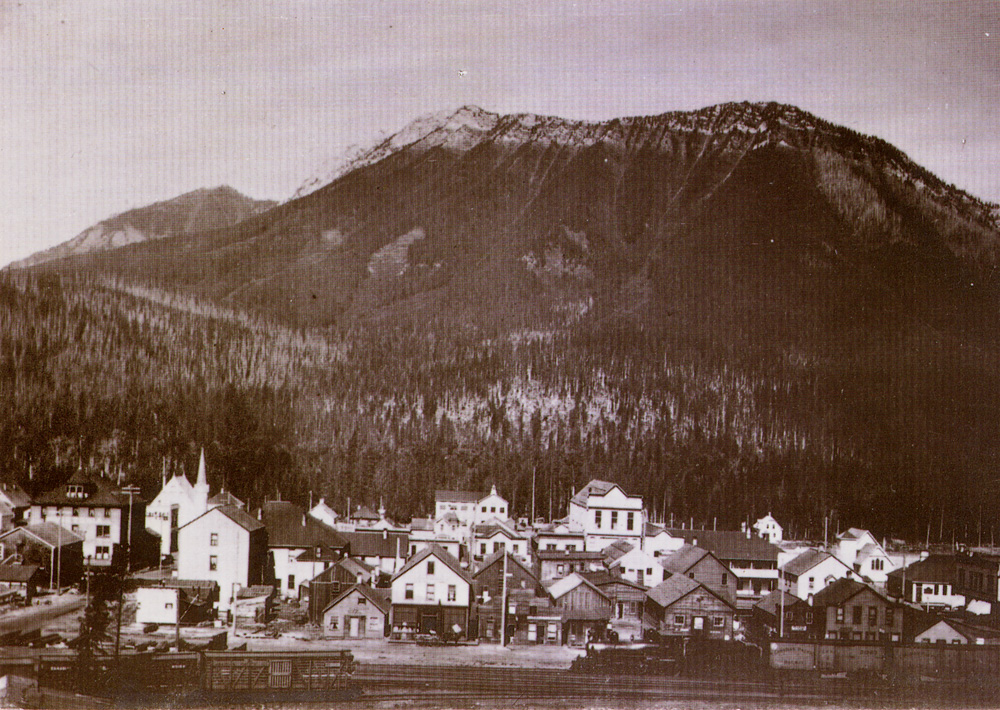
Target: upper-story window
[
  {"x": 213, "y": 539},
  {"x": 430, "y": 566},
  {"x": 631, "y": 521},
  {"x": 614, "y": 519},
  {"x": 597, "y": 518},
  {"x": 76, "y": 490}
]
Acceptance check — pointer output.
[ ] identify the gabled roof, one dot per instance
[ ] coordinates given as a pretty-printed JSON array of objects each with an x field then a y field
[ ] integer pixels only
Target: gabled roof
[
  {"x": 15, "y": 495},
  {"x": 772, "y": 602},
  {"x": 934, "y": 569},
  {"x": 364, "y": 513},
  {"x": 616, "y": 549},
  {"x": 486, "y": 530},
  {"x": 498, "y": 556},
  {"x": 676, "y": 587},
  {"x": 603, "y": 578},
  {"x": 47, "y": 533},
  {"x": 376, "y": 543},
  {"x": 971, "y": 632},
  {"x": 684, "y": 558},
  {"x": 378, "y": 597},
  {"x": 853, "y": 534},
  {"x": 567, "y": 584},
  {"x": 224, "y": 497},
  {"x": 441, "y": 554},
  {"x": 244, "y": 520},
  {"x": 289, "y": 526},
  {"x": 808, "y": 559},
  {"x": 570, "y": 555},
  {"x": 730, "y": 544},
  {"x": 595, "y": 487},
  {"x": 653, "y": 530},
  {"x": 456, "y": 497},
  {"x": 870, "y": 550},
  {"x": 422, "y": 524},
  {"x": 100, "y": 493},
  {"x": 838, "y": 592}
]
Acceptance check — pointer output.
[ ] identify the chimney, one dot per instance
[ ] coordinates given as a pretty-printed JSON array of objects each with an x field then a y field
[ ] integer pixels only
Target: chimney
[
  {"x": 303, "y": 521},
  {"x": 924, "y": 554},
  {"x": 694, "y": 542},
  {"x": 810, "y": 599},
  {"x": 259, "y": 514},
  {"x": 749, "y": 535},
  {"x": 385, "y": 535}
]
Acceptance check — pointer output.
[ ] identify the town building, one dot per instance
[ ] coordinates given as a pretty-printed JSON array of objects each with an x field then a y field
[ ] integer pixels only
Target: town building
[
  {"x": 585, "y": 609},
  {"x": 324, "y": 513},
  {"x": 627, "y": 598},
  {"x": 328, "y": 584},
  {"x": 431, "y": 593},
  {"x": 14, "y": 506},
  {"x": 300, "y": 546},
  {"x": 488, "y": 589},
  {"x": 702, "y": 566},
  {"x": 850, "y": 610},
  {"x": 555, "y": 564},
  {"x": 954, "y": 632},
  {"x": 20, "y": 579},
  {"x": 811, "y": 572},
  {"x": 177, "y": 504},
  {"x": 658, "y": 540},
  {"x": 360, "y": 611},
  {"x": 978, "y": 580},
  {"x": 634, "y": 564},
  {"x": 384, "y": 550},
  {"x": 559, "y": 538},
  {"x": 606, "y": 514},
  {"x": 682, "y": 606},
  {"x": 96, "y": 510},
  {"x": 767, "y": 528},
  {"x": 175, "y": 601},
  {"x": 56, "y": 551},
  {"x": 497, "y": 535},
  {"x": 224, "y": 545},
  {"x": 929, "y": 583},
  {"x": 423, "y": 534},
  {"x": 765, "y": 620}
]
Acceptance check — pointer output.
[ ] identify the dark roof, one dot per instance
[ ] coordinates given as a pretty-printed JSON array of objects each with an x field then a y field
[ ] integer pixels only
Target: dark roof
[
  {"x": 683, "y": 558},
  {"x": 616, "y": 550},
  {"x": 602, "y": 578},
  {"x": 838, "y": 592},
  {"x": 100, "y": 493},
  {"x": 48, "y": 533},
  {"x": 935, "y": 568},
  {"x": 365, "y": 513},
  {"x": 441, "y": 554},
  {"x": 17, "y": 573},
  {"x": 806, "y": 561},
  {"x": 772, "y": 602},
  {"x": 730, "y": 544},
  {"x": 498, "y": 556},
  {"x": 652, "y": 530},
  {"x": 595, "y": 487},
  {"x": 456, "y": 497},
  {"x": 289, "y": 526},
  {"x": 677, "y": 587},
  {"x": 378, "y": 597},
  {"x": 485, "y": 530},
  {"x": 377, "y": 543}
]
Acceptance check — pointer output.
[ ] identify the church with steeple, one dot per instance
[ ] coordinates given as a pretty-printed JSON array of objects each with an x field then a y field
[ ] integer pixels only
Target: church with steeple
[{"x": 177, "y": 504}]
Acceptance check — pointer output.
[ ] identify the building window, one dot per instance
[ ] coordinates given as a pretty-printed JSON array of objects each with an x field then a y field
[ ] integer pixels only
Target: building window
[
  {"x": 571, "y": 548},
  {"x": 503, "y": 511},
  {"x": 75, "y": 528},
  {"x": 718, "y": 621},
  {"x": 840, "y": 615},
  {"x": 878, "y": 565},
  {"x": 409, "y": 591},
  {"x": 484, "y": 508},
  {"x": 725, "y": 579},
  {"x": 430, "y": 566},
  {"x": 560, "y": 570},
  {"x": 493, "y": 509},
  {"x": 430, "y": 592},
  {"x": 597, "y": 518},
  {"x": 168, "y": 605},
  {"x": 102, "y": 552},
  {"x": 873, "y": 616},
  {"x": 614, "y": 519},
  {"x": 291, "y": 581},
  {"x": 482, "y": 548},
  {"x": 679, "y": 620},
  {"x": 213, "y": 563},
  {"x": 631, "y": 521},
  {"x": 517, "y": 548},
  {"x": 452, "y": 592},
  {"x": 362, "y": 601},
  {"x": 856, "y": 616},
  {"x": 334, "y": 622},
  {"x": 889, "y": 616},
  {"x": 213, "y": 539}
]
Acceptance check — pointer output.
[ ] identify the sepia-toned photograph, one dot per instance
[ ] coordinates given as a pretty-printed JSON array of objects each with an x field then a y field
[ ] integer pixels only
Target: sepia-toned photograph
[{"x": 535, "y": 354}]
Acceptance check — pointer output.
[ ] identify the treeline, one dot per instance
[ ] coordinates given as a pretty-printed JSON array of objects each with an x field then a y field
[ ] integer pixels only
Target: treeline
[{"x": 134, "y": 384}]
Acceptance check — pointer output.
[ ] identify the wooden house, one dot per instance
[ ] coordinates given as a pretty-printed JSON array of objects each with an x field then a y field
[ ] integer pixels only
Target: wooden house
[
  {"x": 702, "y": 566},
  {"x": 432, "y": 594},
  {"x": 586, "y": 610},
  {"x": 682, "y": 606},
  {"x": 851, "y": 610},
  {"x": 331, "y": 582},
  {"x": 360, "y": 611}
]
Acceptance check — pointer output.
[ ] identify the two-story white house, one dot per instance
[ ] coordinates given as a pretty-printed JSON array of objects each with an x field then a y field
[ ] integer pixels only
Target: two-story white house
[
  {"x": 300, "y": 545},
  {"x": 811, "y": 572},
  {"x": 605, "y": 514},
  {"x": 223, "y": 545},
  {"x": 634, "y": 564},
  {"x": 496, "y": 536},
  {"x": 456, "y": 512},
  {"x": 559, "y": 538},
  {"x": 769, "y": 529},
  {"x": 97, "y": 511},
  {"x": 431, "y": 594},
  {"x": 658, "y": 541}
]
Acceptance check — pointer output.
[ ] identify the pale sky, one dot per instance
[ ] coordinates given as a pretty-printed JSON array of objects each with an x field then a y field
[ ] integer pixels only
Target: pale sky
[{"x": 107, "y": 105}]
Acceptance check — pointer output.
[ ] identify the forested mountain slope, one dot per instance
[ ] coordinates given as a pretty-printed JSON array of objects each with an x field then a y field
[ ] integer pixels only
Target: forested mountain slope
[{"x": 730, "y": 310}]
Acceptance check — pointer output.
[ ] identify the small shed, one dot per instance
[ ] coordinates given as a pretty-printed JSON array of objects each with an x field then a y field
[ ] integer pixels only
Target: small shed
[
  {"x": 20, "y": 579},
  {"x": 359, "y": 612}
]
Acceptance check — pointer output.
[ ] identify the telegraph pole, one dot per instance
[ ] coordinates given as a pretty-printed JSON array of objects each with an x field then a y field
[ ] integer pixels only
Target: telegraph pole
[
  {"x": 130, "y": 491},
  {"x": 503, "y": 600}
]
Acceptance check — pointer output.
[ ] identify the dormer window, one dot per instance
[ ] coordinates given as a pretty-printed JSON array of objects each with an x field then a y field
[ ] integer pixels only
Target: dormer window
[{"x": 75, "y": 490}]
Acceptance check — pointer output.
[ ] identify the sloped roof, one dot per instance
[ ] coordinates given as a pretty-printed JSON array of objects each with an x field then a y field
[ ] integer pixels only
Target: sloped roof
[
  {"x": 971, "y": 632},
  {"x": 48, "y": 533},
  {"x": 15, "y": 494},
  {"x": 603, "y": 578},
  {"x": 101, "y": 493},
  {"x": 422, "y": 524},
  {"x": 18, "y": 573},
  {"x": 869, "y": 550},
  {"x": 595, "y": 487},
  {"x": 653, "y": 530},
  {"x": 616, "y": 550},
  {"x": 935, "y": 569},
  {"x": 684, "y": 558},
  {"x": 365, "y": 513},
  {"x": 841, "y": 590},
  {"x": 678, "y": 586},
  {"x": 497, "y": 556},
  {"x": 730, "y": 544},
  {"x": 441, "y": 554},
  {"x": 224, "y": 497},
  {"x": 378, "y": 597},
  {"x": 289, "y": 526},
  {"x": 490, "y": 529},
  {"x": 772, "y": 602},
  {"x": 808, "y": 559},
  {"x": 570, "y": 555},
  {"x": 853, "y": 534},
  {"x": 561, "y": 587},
  {"x": 241, "y": 518},
  {"x": 456, "y": 497},
  {"x": 376, "y": 543}
]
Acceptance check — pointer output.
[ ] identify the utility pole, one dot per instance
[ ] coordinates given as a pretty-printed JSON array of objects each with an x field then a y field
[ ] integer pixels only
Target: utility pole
[
  {"x": 534, "y": 469},
  {"x": 130, "y": 491},
  {"x": 503, "y": 600}
]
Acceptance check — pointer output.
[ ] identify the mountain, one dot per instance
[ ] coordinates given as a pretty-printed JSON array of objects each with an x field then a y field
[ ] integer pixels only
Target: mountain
[
  {"x": 196, "y": 211},
  {"x": 728, "y": 310}
]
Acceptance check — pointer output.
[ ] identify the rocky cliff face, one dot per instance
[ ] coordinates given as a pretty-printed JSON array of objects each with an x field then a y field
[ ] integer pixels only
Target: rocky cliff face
[{"x": 196, "y": 211}]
